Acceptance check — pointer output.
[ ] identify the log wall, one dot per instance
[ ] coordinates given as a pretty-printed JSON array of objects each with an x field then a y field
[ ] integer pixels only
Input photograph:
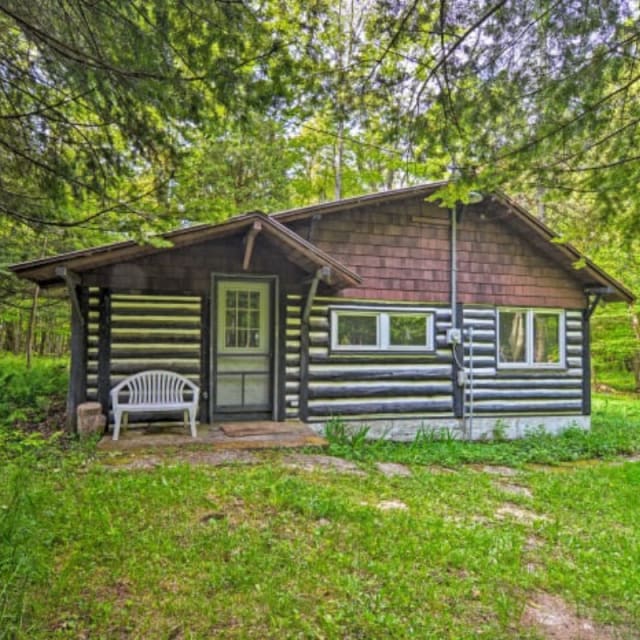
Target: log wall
[
  {"x": 364, "y": 385},
  {"x": 146, "y": 332},
  {"x": 523, "y": 391}
]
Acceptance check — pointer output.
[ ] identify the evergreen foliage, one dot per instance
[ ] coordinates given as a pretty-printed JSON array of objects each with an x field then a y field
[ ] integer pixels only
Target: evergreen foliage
[{"x": 123, "y": 119}]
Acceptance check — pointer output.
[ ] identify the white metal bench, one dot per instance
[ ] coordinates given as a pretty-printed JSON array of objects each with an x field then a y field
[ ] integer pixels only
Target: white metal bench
[{"x": 151, "y": 392}]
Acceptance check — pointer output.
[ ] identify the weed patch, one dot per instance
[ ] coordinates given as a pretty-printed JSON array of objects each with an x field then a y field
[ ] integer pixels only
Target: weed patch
[{"x": 615, "y": 431}]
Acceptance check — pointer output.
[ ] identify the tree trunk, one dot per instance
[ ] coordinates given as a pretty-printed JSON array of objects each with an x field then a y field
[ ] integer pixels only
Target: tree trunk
[
  {"x": 339, "y": 161},
  {"x": 31, "y": 327},
  {"x": 635, "y": 325}
]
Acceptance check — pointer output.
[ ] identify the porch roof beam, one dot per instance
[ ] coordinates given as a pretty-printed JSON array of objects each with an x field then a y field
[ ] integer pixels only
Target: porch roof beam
[{"x": 72, "y": 280}]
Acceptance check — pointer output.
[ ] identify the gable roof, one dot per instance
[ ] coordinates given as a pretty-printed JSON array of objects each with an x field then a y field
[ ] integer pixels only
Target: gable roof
[
  {"x": 564, "y": 253},
  {"x": 312, "y": 258},
  {"x": 46, "y": 271}
]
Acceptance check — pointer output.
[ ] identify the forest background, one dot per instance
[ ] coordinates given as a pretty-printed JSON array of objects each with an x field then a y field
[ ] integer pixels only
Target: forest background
[{"x": 123, "y": 119}]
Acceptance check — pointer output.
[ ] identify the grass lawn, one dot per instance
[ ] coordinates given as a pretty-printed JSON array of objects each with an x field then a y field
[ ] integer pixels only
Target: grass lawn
[{"x": 112, "y": 547}]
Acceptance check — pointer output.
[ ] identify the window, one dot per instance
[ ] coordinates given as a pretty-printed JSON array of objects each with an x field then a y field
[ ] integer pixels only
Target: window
[
  {"x": 362, "y": 329},
  {"x": 242, "y": 317},
  {"x": 530, "y": 338}
]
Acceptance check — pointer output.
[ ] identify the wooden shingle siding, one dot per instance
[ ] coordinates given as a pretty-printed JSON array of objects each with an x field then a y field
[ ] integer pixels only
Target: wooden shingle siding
[
  {"x": 498, "y": 265},
  {"x": 147, "y": 332},
  {"x": 188, "y": 270},
  {"x": 402, "y": 251},
  {"x": 380, "y": 384},
  {"x": 388, "y": 247},
  {"x": 509, "y": 391}
]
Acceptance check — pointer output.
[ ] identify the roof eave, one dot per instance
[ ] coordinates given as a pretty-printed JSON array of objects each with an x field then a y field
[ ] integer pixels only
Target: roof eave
[
  {"x": 42, "y": 271},
  {"x": 290, "y": 215}
]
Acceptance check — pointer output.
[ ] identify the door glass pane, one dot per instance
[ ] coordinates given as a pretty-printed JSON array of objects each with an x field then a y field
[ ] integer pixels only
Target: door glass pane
[
  {"x": 358, "y": 330},
  {"x": 513, "y": 336},
  {"x": 546, "y": 338},
  {"x": 408, "y": 330},
  {"x": 242, "y": 319}
]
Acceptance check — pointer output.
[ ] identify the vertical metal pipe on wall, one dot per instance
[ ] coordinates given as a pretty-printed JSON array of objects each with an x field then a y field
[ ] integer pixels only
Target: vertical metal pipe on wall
[
  {"x": 455, "y": 337},
  {"x": 454, "y": 263}
]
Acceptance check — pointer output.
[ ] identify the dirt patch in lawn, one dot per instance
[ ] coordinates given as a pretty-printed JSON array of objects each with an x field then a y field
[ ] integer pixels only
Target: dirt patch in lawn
[
  {"x": 496, "y": 470},
  {"x": 554, "y": 619},
  {"x": 392, "y": 505},
  {"x": 514, "y": 489},
  {"x": 515, "y": 512},
  {"x": 322, "y": 463},
  {"x": 391, "y": 469}
]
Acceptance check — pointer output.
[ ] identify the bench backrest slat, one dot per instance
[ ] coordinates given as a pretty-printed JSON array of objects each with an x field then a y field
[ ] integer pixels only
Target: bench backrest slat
[{"x": 156, "y": 387}]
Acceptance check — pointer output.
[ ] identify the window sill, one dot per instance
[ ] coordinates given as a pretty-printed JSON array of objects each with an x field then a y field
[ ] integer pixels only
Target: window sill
[{"x": 382, "y": 352}]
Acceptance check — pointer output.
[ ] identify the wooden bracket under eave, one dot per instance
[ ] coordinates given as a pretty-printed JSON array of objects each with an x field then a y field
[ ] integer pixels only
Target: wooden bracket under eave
[
  {"x": 72, "y": 280},
  {"x": 250, "y": 242},
  {"x": 324, "y": 273}
]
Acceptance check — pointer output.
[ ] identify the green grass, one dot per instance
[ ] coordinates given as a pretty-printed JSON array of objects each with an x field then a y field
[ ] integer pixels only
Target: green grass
[
  {"x": 615, "y": 431},
  {"x": 270, "y": 552},
  {"x": 618, "y": 379},
  {"x": 92, "y": 549}
]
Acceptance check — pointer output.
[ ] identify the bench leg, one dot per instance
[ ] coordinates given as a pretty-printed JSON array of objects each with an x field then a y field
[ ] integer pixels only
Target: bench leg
[
  {"x": 192, "y": 420},
  {"x": 117, "y": 418}
]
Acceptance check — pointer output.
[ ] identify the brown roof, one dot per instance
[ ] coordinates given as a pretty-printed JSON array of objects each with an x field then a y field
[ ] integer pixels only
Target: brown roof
[
  {"x": 297, "y": 249},
  {"x": 311, "y": 258}
]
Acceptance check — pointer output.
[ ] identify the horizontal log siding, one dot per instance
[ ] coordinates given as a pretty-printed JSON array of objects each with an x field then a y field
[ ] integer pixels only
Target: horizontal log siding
[
  {"x": 377, "y": 385},
  {"x": 292, "y": 356},
  {"x": 147, "y": 332},
  {"x": 514, "y": 392},
  {"x": 93, "y": 328}
]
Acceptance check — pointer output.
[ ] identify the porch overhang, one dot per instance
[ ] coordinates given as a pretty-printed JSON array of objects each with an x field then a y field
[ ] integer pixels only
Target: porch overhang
[{"x": 50, "y": 271}]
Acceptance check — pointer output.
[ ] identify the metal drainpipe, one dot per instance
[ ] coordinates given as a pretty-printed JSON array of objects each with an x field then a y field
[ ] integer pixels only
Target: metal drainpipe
[
  {"x": 470, "y": 430},
  {"x": 455, "y": 211},
  {"x": 454, "y": 263}
]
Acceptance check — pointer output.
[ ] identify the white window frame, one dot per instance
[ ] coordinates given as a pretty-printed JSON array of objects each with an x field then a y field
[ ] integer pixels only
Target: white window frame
[
  {"x": 382, "y": 315},
  {"x": 529, "y": 344}
]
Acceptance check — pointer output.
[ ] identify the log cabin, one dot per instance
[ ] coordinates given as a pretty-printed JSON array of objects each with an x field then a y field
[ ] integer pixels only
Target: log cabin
[{"x": 385, "y": 310}]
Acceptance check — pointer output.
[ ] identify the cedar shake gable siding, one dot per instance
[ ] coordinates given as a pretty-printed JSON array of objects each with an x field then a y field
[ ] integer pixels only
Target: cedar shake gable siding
[
  {"x": 499, "y": 265},
  {"x": 402, "y": 252},
  {"x": 187, "y": 270}
]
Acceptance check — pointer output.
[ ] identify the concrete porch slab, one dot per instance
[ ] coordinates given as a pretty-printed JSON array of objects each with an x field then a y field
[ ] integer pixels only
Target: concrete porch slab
[{"x": 265, "y": 435}]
